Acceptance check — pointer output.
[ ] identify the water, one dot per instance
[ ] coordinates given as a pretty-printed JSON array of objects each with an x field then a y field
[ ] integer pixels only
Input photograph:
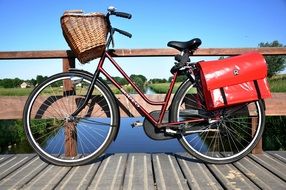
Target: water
[
  {"x": 135, "y": 140},
  {"x": 129, "y": 140},
  {"x": 148, "y": 90}
]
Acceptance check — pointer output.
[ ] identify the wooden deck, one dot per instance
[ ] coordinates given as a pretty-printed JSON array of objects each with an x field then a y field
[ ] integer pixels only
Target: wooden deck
[{"x": 145, "y": 171}]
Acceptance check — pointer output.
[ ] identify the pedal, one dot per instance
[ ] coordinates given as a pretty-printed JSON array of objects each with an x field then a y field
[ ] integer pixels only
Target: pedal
[
  {"x": 137, "y": 124},
  {"x": 171, "y": 131}
]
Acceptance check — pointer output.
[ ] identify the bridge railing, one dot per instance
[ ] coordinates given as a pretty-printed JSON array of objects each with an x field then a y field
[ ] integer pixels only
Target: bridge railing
[{"x": 14, "y": 104}]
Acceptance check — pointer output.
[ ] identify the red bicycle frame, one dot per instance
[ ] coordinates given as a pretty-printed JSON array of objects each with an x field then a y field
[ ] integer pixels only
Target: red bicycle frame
[
  {"x": 138, "y": 107},
  {"x": 158, "y": 123}
]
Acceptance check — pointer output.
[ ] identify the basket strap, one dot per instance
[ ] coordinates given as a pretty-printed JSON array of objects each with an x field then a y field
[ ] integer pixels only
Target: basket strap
[
  {"x": 257, "y": 89},
  {"x": 223, "y": 96}
]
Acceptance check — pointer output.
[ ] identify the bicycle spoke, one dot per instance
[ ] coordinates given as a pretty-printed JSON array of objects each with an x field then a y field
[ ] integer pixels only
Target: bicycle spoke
[
  {"x": 54, "y": 132},
  {"x": 227, "y": 133}
]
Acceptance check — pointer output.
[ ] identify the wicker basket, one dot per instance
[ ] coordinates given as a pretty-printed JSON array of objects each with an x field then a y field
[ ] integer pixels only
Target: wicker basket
[{"x": 85, "y": 33}]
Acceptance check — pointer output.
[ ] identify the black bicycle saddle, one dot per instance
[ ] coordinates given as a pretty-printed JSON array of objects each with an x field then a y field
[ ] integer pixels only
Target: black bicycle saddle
[{"x": 188, "y": 45}]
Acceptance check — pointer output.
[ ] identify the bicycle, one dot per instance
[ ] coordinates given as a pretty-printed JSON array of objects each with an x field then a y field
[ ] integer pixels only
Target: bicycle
[{"x": 79, "y": 106}]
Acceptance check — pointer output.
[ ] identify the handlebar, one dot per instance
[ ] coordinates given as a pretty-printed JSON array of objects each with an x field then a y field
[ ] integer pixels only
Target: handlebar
[
  {"x": 123, "y": 32},
  {"x": 122, "y": 14},
  {"x": 112, "y": 11}
]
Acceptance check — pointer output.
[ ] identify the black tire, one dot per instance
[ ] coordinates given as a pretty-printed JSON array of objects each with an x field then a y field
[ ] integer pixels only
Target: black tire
[
  {"x": 48, "y": 124},
  {"x": 223, "y": 140}
]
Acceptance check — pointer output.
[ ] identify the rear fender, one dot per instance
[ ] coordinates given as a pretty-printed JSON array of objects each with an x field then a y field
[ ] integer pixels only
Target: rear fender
[{"x": 175, "y": 98}]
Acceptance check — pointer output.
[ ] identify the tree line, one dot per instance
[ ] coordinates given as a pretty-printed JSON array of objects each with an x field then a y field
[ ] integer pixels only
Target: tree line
[
  {"x": 16, "y": 82},
  {"x": 139, "y": 80}
]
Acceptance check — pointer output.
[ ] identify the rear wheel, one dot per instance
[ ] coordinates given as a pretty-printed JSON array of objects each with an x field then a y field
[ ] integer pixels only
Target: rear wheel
[
  {"x": 64, "y": 140},
  {"x": 226, "y": 135}
]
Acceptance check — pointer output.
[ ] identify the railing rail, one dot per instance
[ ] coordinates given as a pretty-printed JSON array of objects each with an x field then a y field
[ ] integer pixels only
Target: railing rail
[{"x": 58, "y": 54}]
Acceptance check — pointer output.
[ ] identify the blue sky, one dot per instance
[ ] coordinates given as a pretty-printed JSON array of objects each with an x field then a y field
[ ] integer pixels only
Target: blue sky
[{"x": 34, "y": 25}]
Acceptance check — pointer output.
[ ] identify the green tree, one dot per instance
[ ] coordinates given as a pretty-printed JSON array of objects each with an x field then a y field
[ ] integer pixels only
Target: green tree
[
  {"x": 156, "y": 80},
  {"x": 33, "y": 82},
  {"x": 138, "y": 81},
  {"x": 143, "y": 78},
  {"x": 40, "y": 79},
  {"x": 275, "y": 63},
  {"x": 180, "y": 78},
  {"x": 120, "y": 80},
  {"x": 17, "y": 82},
  {"x": 8, "y": 83}
]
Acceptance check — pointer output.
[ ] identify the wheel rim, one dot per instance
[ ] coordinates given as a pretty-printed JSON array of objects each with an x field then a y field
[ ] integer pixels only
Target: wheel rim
[
  {"x": 48, "y": 121},
  {"x": 228, "y": 135}
]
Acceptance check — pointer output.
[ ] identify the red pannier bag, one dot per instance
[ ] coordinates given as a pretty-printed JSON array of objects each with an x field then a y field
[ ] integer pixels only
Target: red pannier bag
[{"x": 234, "y": 80}]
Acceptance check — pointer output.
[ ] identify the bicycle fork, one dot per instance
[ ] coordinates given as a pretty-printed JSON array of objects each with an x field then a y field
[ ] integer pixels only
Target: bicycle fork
[{"x": 87, "y": 96}]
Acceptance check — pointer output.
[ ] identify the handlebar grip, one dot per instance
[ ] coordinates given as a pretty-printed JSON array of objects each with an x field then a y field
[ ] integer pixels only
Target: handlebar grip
[
  {"x": 123, "y": 32},
  {"x": 122, "y": 14}
]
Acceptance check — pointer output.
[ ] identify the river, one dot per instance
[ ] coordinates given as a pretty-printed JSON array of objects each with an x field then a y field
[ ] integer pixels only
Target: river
[{"x": 128, "y": 140}]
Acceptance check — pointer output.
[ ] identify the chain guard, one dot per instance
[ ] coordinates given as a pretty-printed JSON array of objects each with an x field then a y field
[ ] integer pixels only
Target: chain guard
[{"x": 156, "y": 133}]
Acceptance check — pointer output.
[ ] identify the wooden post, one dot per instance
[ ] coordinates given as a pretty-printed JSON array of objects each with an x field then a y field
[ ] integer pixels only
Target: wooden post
[
  {"x": 258, "y": 149},
  {"x": 68, "y": 63},
  {"x": 70, "y": 127}
]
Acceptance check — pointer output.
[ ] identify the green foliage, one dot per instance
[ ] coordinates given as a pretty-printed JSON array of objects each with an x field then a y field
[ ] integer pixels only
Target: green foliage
[
  {"x": 278, "y": 83},
  {"x": 16, "y": 82},
  {"x": 180, "y": 78},
  {"x": 162, "y": 88},
  {"x": 10, "y": 83},
  {"x": 11, "y": 132},
  {"x": 275, "y": 63},
  {"x": 274, "y": 136},
  {"x": 157, "y": 80},
  {"x": 120, "y": 80},
  {"x": 40, "y": 79},
  {"x": 141, "y": 77},
  {"x": 139, "y": 82}
]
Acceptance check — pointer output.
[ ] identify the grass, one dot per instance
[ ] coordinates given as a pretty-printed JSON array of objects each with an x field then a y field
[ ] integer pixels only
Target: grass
[
  {"x": 278, "y": 83},
  {"x": 15, "y": 91},
  {"x": 162, "y": 88}
]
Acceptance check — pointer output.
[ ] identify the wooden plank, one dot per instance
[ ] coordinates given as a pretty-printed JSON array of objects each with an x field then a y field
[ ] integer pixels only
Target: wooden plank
[
  {"x": 14, "y": 105},
  {"x": 79, "y": 177},
  {"x": 259, "y": 175},
  {"x": 274, "y": 105},
  {"x": 135, "y": 171},
  {"x": 148, "y": 52},
  {"x": 23, "y": 175},
  {"x": 281, "y": 155},
  {"x": 231, "y": 177},
  {"x": 48, "y": 178},
  {"x": 272, "y": 164},
  {"x": 167, "y": 172},
  {"x": 110, "y": 174},
  {"x": 139, "y": 172},
  {"x": 13, "y": 163},
  {"x": 152, "y": 52},
  {"x": 54, "y": 54},
  {"x": 4, "y": 157},
  {"x": 191, "y": 167}
]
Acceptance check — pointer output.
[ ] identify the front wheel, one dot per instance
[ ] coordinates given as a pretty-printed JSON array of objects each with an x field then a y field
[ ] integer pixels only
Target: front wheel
[
  {"x": 64, "y": 140},
  {"x": 222, "y": 136}
]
